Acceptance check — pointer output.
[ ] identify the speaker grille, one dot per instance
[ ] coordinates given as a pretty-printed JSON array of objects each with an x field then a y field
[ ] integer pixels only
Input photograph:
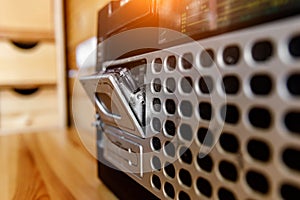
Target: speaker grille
[{"x": 245, "y": 83}]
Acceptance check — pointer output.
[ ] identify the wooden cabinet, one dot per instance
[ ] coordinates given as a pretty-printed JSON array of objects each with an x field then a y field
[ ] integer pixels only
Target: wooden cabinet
[{"x": 32, "y": 65}]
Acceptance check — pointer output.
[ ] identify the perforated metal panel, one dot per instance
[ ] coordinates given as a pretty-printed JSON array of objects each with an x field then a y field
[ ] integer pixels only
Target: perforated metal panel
[{"x": 238, "y": 93}]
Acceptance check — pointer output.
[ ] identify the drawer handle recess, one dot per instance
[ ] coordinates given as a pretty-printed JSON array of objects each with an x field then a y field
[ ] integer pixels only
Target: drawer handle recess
[
  {"x": 25, "y": 45},
  {"x": 26, "y": 91}
]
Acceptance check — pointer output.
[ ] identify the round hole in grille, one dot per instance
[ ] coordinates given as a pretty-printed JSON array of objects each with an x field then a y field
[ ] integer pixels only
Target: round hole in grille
[
  {"x": 156, "y": 125},
  {"x": 228, "y": 171},
  {"x": 293, "y": 84},
  {"x": 171, "y": 63},
  {"x": 186, "y": 108},
  {"x": 205, "y": 162},
  {"x": 155, "y": 144},
  {"x": 186, "y": 132},
  {"x": 291, "y": 158},
  {"x": 185, "y": 177},
  {"x": 207, "y": 58},
  {"x": 230, "y": 114},
  {"x": 259, "y": 150},
  {"x": 261, "y": 84},
  {"x": 170, "y": 106},
  {"x": 231, "y": 55},
  {"x": 186, "y": 84},
  {"x": 156, "y": 164},
  {"x": 156, "y": 104},
  {"x": 171, "y": 85},
  {"x": 169, "y": 149},
  {"x": 156, "y": 85},
  {"x": 185, "y": 155},
  {"x": 260, "y": 117},
  {"x": 262, "y": 51},
  {"x": 169, "y": 170},
  {"x": 206, "y": 84},
  {"x": 294, "y": 46},
  {"x": 257, "y": 182},
  {"x": 157, "y": 65},
  {"x": 289, "y": 191},
  {"x": 169, "y": 190},
  {"x": 170, "y": 128},
  {"x": 229, "y": 142},
  {"x": 156, "y": 182},
  {"x": 205, "y": 137},
  {"x": 231, "y": 84},
  {"x": 225, "y": 194},
  {"x": 183, "y": 196},
  {"x": 187, "y": 61},
  {"x": 204, "y": 187},
  {"x": 291, "y": 121},
  {"x": 205, "y": 110}
]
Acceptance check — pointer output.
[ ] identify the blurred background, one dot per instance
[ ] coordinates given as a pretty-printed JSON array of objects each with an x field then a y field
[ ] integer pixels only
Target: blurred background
[
  {"x": 40, "y": 150},
  {"x": 38, "y": 68}
]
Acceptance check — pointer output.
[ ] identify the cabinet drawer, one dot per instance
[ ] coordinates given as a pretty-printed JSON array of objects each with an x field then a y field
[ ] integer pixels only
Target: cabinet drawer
[
  {"x": 33, "y": 65},
  {"x": 33, "y": 111},
  {"x": 29, "y": 16}
]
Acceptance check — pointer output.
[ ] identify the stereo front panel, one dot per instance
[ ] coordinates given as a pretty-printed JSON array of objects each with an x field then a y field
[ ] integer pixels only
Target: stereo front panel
[{"x": 222, "y": 117}]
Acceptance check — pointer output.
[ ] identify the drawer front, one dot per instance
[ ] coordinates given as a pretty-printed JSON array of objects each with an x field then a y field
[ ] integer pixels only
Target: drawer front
[
  {"x": 31, "y": 15},
  {"x": 34, "y": 65},
  {"x": 21, "y": 112}
]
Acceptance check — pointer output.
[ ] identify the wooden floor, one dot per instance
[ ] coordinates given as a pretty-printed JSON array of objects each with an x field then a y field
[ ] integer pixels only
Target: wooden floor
[{"x": 48, "y": 165}]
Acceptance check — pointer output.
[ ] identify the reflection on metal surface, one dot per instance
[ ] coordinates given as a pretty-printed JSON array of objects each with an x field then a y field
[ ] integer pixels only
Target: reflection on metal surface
[{"x": 118, "y": 99}]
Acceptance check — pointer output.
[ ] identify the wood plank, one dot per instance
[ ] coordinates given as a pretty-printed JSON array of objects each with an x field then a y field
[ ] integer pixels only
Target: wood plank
[
  {"x": 59, "y": 23},
  {"x": 47, "y": 165},
  {"x": 9, "y": 155},
  {"x": 27, "y": 84},
  {"x": 30, "y": 15},
  {"x": 25, "y": 36},
  {"x": 60, "y": 62},
  {"x": 81, "y": 15},
  {"x": 30, "y": 184}
]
